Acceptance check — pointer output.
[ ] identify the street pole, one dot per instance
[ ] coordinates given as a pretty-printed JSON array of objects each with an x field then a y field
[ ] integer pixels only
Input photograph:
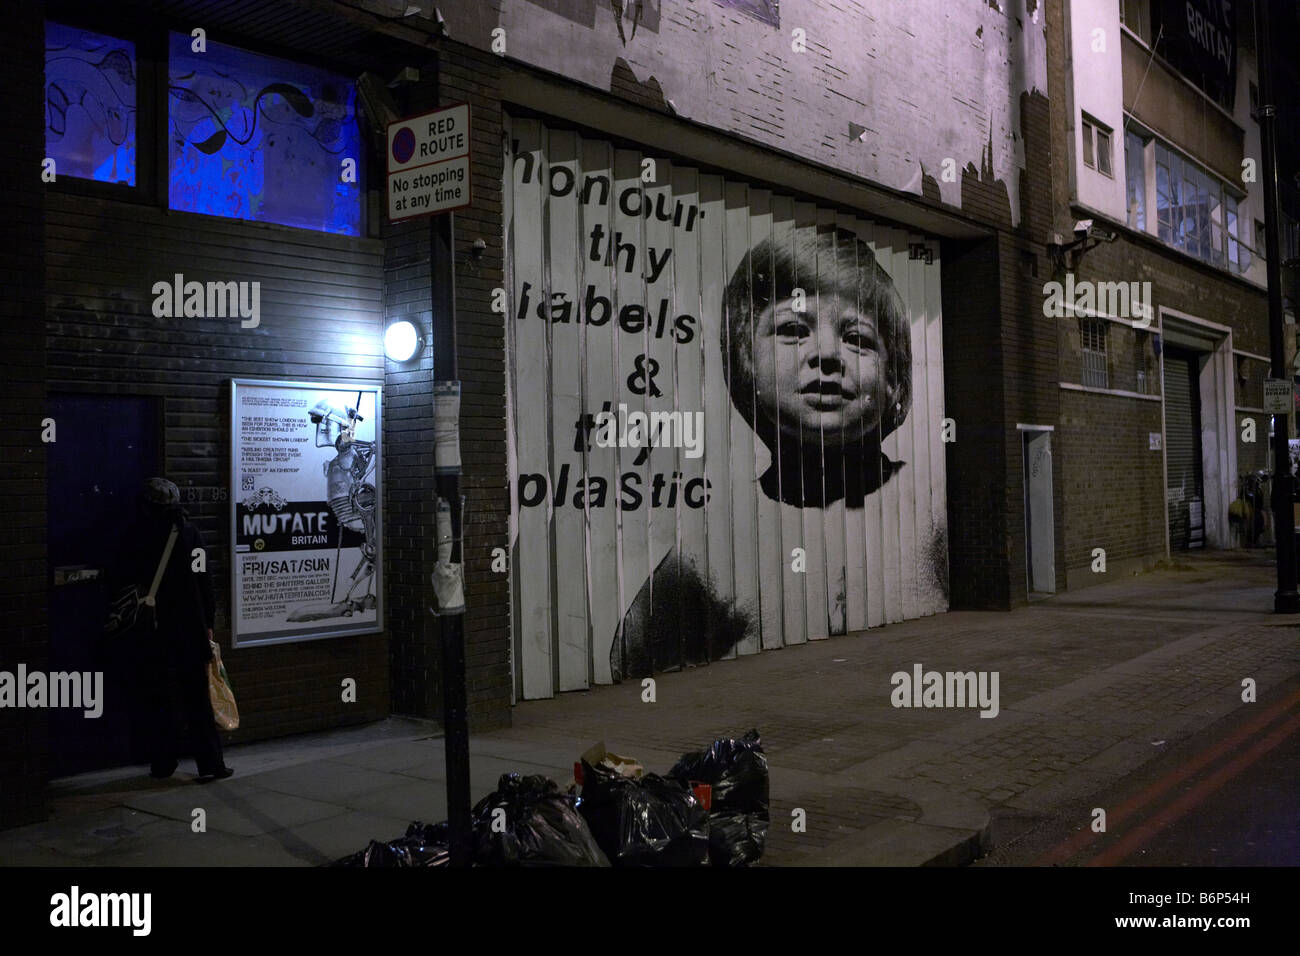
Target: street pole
[
  {"x": 1285, "y": 600},
  {"x": 451, "y": 627}
]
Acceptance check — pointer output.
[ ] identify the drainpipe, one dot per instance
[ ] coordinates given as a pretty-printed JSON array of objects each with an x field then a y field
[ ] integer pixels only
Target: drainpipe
[{"x": 1285, "y": 600}]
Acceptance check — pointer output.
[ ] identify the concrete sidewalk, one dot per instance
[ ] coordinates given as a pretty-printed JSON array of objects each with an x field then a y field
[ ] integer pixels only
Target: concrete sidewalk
[{"x": 1093, "y": 684}]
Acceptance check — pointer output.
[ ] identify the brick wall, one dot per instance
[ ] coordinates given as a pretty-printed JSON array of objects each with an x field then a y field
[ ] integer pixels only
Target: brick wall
[
  {"x": 23, "y": 578},
  {"x": 1000, "y": 360},
  {"x": 472, "y": 76},
  {"x": 1117, "y": 502},
  {"x": 408, "y": 438},
  {"x": 320, "y": 320},
  {"x": 974, "y": 382},
  {"x": 1111, "y": 482},
  {"x": 465, "y": 75}
]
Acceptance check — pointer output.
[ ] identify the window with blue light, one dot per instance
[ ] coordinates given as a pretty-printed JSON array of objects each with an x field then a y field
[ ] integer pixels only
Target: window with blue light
[
  {"x": 90, "y": 104},
  {"x": 260, "y": 138}
]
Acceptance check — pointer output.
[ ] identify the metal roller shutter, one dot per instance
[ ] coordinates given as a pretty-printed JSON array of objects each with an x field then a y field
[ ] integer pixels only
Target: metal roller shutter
[{"x": 1183, "y": 435}]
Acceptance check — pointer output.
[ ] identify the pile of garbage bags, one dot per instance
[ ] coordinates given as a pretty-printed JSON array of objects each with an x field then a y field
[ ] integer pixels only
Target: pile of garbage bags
[
  {"x": 711, "y": 808},
  {"x": 736, "y": 773},
  {"x": 526, "y": 821}
]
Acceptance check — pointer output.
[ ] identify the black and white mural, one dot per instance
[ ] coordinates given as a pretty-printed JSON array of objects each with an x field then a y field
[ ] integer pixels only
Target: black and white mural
[{"x": 726, "y": 415}]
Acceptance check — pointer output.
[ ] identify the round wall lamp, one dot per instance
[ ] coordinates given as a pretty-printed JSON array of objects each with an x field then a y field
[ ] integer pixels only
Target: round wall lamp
[{"x": 402, "y": 341}]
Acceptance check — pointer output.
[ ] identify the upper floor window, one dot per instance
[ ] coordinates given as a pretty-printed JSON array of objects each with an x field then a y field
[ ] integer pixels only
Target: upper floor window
[
  {"x": 1196, "y": 213},
  {"x": 1096, "y": 146},
  {"x": 1136, "y": 15},
  {"x": 90, "y": 104},
  {"x": 1135, "y": 178},
  {"x": 260, "y": 138}
]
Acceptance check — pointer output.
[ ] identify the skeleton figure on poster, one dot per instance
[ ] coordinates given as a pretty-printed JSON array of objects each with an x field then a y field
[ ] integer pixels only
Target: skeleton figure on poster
[{"x": 352, "y": 497}]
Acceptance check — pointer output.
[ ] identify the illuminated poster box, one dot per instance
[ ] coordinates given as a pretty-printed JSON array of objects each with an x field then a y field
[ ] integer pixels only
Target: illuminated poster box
[{"x": 304, "y": 516}]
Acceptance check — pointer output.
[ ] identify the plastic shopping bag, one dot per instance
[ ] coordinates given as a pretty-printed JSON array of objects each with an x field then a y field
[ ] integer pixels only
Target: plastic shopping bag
[{"x": 224, "y": 709}]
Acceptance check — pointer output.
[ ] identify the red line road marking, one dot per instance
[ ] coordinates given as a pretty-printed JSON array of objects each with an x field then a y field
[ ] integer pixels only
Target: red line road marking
[
  {"x": 1074, "y": 844},
  {"x": 1187, "y": 801}
]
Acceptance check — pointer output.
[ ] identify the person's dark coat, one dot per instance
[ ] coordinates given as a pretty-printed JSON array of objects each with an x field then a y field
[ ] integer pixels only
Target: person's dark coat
[
  {"x": 176, "y": 652},
  {"x": 185, "y": 605}
]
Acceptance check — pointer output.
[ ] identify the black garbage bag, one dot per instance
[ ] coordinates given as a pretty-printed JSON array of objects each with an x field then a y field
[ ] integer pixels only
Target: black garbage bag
[
  {"x": 427, "y": 844},
  {"x": 376, "y": 854},
  {"x": 736, "y": 770},
  {"x": 423, "y": 845},
  {"x": 644, "y": 821},
  {"x": 540, "y": 826}
]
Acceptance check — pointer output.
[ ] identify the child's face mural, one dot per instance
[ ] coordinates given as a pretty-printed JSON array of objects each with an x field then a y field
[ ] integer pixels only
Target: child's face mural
[{"x": 827, "y": 364}]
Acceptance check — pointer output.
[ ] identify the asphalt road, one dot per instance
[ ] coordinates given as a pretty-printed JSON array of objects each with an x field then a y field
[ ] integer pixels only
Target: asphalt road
[{"x": 1229, "y": 797}]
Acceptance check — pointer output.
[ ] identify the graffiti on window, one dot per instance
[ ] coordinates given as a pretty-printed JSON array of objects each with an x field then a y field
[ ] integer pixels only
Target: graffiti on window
[
  {"x": 90, "y": 104},
  {"x": 255, "y": 137}
]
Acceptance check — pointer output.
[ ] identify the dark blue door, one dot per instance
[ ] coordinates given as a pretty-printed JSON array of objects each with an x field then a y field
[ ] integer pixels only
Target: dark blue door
[{"x": 105, "y": 448}]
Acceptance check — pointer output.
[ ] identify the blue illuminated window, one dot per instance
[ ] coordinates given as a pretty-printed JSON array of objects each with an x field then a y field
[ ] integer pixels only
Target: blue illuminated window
[
  {"x": 260, "y": 138},
  {"x": 90, "y": 104}
]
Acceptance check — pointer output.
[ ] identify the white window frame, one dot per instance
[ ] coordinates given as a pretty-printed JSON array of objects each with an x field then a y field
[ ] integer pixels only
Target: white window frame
[{"x": 1092, "y": 127}]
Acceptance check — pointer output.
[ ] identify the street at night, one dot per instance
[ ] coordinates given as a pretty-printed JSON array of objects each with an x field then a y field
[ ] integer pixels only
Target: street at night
[{"x": 650, "y": 435}]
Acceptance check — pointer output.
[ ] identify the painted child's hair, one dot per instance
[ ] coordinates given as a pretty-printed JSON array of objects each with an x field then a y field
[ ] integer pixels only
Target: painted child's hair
[{"x": 770, "y": 272}]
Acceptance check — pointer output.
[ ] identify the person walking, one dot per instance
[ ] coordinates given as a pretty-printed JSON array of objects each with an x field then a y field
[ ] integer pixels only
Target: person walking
[{"x": 177, "y": 652}]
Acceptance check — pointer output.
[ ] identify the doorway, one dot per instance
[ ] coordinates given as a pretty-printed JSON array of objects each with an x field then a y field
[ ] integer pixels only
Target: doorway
[
  {"x": 1185, "y": 478},
  {"x": 105, "y": 448},
  {"x": 1040, "y": 529}
]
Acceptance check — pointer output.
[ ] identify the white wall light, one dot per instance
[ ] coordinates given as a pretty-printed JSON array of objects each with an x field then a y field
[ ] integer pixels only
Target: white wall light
[{"x": 402, "y": 341}]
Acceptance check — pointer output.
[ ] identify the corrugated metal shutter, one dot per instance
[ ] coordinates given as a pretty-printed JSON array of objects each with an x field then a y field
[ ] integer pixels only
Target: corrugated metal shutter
[
  {"x": 652, "y": 288},
  {"x": 1182, "y": 429}
]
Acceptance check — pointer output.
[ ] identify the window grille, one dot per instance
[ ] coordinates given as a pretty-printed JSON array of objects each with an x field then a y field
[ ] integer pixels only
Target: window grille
[{"x": 1092, "y": 334}]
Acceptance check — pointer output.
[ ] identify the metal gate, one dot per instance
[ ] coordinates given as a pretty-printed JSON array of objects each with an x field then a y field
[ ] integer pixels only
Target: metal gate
[
  {"x": 726, "y": 413},
  {"x": 1184, "y": 491}
]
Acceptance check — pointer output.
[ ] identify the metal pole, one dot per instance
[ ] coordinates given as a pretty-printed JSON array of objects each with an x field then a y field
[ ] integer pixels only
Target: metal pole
[
  {"x": 451, "y": 630},
  {"x": 1285, "y": 600}
]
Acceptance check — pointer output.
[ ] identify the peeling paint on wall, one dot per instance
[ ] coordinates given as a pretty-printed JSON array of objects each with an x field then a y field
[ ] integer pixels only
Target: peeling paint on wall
[
  {"x": 884, "y": 91},
  {"x": 765, "y": 10}
]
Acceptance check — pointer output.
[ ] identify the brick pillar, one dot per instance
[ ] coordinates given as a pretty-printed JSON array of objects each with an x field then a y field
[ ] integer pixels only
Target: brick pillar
[
  {"x": 464, "y": 75},
  {"x": 24, "y": 583}
]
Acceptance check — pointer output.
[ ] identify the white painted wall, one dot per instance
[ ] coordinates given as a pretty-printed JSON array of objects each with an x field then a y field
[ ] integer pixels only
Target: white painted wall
[
  {"x": 1097, "y": 85},
  {"x": 926, "y": 79}
]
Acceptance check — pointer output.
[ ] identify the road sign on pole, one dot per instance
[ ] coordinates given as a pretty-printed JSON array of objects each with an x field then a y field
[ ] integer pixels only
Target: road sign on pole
[
  {"x": 428, "y": 164},
  {"x": 1278, "y": 396}
]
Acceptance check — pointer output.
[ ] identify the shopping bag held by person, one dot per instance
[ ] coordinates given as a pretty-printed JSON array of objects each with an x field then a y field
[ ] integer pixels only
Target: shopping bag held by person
[{"x": 224, "y": 709}]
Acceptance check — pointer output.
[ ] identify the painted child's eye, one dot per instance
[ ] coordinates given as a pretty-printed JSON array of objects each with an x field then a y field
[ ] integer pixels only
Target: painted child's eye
[
  {"x": 864, "y": 340},
  {"x": 792, "y": 330}
]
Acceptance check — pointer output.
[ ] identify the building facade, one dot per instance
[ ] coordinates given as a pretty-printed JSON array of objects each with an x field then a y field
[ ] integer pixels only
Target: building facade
[
  {"x": 750, "y": 307},
  {"x": 1162, "y": 410}
]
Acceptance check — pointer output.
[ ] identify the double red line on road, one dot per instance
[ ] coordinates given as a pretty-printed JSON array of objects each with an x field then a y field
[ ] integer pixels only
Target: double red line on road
[{"x": 1140, "y": 834}]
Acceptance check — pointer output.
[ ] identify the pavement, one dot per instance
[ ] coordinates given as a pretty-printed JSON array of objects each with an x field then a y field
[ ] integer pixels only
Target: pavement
[{"x": 1093, "y": 684}]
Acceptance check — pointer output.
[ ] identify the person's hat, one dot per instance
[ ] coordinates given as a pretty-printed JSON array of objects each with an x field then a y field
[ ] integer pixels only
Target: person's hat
[{"x": 161, "y": 492}]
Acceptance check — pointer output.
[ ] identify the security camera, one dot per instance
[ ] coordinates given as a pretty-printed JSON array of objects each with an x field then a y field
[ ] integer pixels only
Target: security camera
[{"x": 1084, "y": 230}]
